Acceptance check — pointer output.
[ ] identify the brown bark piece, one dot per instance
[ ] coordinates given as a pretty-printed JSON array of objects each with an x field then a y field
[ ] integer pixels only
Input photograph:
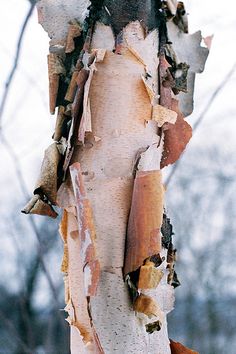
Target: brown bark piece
[
  {"x": 87, "y": 231},
  {"x": 144, "y": 238},
  {"x": 73, "y": 32},
  {"x": 145, "y": 304},
  {"x": 178, "y": 348},
  {"x": 39, "y": 207},
  {"x": 47, "y": 182},
  {"x": 55, "y": 68},
  {"x": 71, "y": 91},
  {"x": 65, "y": 260},
  {"x": 76, "y": 115},
  {"x": 64, "y": 225},
  {"x": 149, "y": 276},
  {"x": 59, "y": 124},
  {"x": 176, "y": 137}
]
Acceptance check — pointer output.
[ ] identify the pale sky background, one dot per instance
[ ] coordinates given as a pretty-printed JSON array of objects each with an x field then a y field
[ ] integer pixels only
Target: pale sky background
[{"x": 28, "y": 126}]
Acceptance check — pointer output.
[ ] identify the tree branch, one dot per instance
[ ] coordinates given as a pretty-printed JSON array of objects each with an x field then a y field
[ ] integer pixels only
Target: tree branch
[{"x": 15, "y": 63}]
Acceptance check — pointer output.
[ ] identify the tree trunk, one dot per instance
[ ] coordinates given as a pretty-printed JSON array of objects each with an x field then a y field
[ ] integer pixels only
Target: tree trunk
[{"x": 115, "y": 77}]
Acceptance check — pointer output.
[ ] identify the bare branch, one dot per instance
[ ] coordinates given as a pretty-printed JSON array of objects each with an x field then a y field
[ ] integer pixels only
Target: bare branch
[
  {"x": 16, "y": 60},
  {"x": 202, "y": 116}
]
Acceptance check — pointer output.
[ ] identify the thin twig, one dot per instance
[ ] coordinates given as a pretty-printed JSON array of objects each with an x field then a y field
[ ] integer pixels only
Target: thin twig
[
  {"x": 202, "y": 116},
  {"x": 15, "y": 63}
]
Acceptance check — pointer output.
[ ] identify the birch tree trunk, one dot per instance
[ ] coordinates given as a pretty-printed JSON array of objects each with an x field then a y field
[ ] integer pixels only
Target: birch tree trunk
[{"x": 115, "y": 69}]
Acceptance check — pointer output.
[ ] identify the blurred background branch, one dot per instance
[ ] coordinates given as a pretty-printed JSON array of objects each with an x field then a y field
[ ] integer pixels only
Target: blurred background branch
[{"x": 16, "y": 60}]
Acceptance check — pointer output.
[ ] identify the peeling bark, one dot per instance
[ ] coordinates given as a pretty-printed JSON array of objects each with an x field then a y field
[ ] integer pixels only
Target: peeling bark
[{"x": 116, "y": 76}]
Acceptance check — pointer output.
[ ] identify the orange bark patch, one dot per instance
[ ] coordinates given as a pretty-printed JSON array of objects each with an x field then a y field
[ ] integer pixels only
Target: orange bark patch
[
  {"x": 177, "y": 348},
  {"x": 86, "y": 231},
  {"x": 176, "y": 137},
  {"x": 145, "y": 304},
  {"x": 149, "y": 276},
  {"x": 144, "y": 238},
  {"x": 73, "y": 32}
]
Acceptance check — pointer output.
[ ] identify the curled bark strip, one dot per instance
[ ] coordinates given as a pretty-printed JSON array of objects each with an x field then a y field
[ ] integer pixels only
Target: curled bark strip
[
  {"x": 85, "y": 123},
  {"x": 77, "y": 303},
  {"x": 76, "y": 116},
  {"x": 59, "y": 124},
  {"x": 176, "y": 137},
  {"x": 177, "y": 348},
  {"x": 71, "y": 91},
  {"x": 47, "y": 182},
  {"x": 86, "y": 230},
  {"x": 81, "y": 80},
  {"x": 55, "y": 68},
  {"x": 144, "y": 238},
  {"x": 73, "y": 32},
  {"x": 39, "y": 207}
]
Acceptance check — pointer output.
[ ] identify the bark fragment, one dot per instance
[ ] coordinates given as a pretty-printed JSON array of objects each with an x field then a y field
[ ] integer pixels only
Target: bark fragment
[
  {"x": 163, "y": 115},
  {"x": 77, "y": 303},
  {"x": 187, "y": 48},
  {"x": 149, "y": 276},
  {"x": 73, "y": 32},
  {"x": 55, "y": 69},
  {"x": 47, "y": 181},
  {"x": 176, "y": 137},
  {"x": 177, "y": 348},
  {"x": 59, "y": 124},
  {"x": 91, "y": 264},
  {"x": 146, "y": 305},
  {"x": 144, "y": 238},
  {"x": 37, "y": 206}
]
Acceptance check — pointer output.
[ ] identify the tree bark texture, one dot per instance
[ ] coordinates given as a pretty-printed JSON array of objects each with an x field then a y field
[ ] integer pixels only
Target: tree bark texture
[{"x": 121, "y": 73}]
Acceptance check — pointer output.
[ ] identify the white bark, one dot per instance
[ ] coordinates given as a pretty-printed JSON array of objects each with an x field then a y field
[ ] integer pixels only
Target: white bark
[
  {"x": 56, "y": 15},
  {"x": 121, "y": 112},
  {"x": 120, "y": 121}
]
